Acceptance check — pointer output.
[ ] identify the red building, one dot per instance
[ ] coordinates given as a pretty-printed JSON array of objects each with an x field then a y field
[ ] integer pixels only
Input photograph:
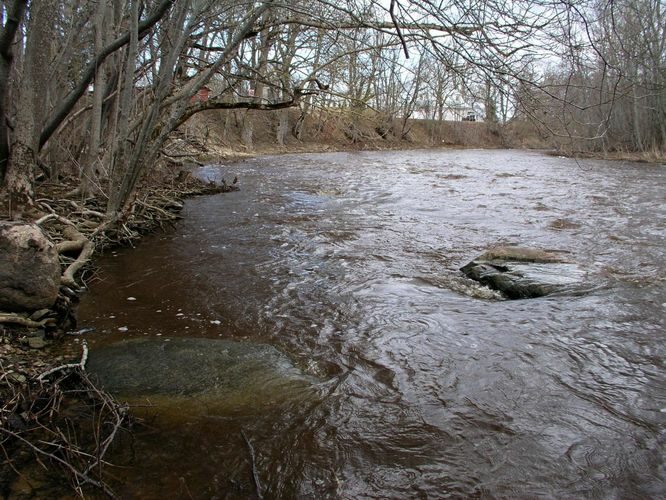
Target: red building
[{"x": 202, "y": 95}]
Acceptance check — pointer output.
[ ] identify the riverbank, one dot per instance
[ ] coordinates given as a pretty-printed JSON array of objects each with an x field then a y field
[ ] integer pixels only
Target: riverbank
[
  {"x": 43, "y": 384},
  {"x": 653, "y": 157},
  {"x": 222, "y": 135},
  {"x": 218, "y": 136}
]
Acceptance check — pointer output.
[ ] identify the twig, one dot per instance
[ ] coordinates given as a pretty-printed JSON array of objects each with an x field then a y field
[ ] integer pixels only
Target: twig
[
  {"x": 255, "y": 474},
  {"x": 166, "y": 214},
  {"x": 81, "y": 364},
  {"x": 78, "y": 474},
  {"x": 53, "y": 216}
]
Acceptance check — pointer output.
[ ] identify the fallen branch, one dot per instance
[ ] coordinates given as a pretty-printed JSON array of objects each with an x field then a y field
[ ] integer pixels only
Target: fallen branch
[
  {"x": 78, "y": 474},
  {"x": 31, "y": 417},
  {"x": 53, "y": 216},
  {"x": 168, "y": 215},
  {"x": 15, "y": 319},
  {"x": 118, "y": 411},
  {"x": 81, "y": 364},
  {"x": 255, "y": 474}
]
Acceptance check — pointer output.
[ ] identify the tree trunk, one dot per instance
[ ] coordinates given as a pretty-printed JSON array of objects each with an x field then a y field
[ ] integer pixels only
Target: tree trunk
[
  {"x": 283, "y": 126},
  {"x": 31, "y": 103},
  {"x": 13, "y": 16},
  {"x": 90, "y": 174},
  {"x": 121, "y": 144},
  {"x": 491, "y": 105},
  {"x": 247, "y": 130},
  {"x": 20, "y": 176}
]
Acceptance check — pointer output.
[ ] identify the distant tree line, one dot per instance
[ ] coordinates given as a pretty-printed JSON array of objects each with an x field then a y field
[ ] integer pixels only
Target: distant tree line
[
  {"x": 607, "y": 90},
  {"x": 104, "y": 84}
]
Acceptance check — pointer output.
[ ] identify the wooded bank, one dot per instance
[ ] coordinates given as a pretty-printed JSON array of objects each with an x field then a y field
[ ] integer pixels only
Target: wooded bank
[{"x": 99, "y": 88}]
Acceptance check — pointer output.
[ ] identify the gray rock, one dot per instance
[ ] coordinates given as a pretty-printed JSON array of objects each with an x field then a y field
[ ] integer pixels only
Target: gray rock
[
  {"x": 237, "y": 373},
  {"x": 523, "y": 273},
  {"x": 40, "y": 315},
  {"x": 29, "y": 268},
  {"x": 36, "y": 343},
  {"x": 522, "y": 254}
]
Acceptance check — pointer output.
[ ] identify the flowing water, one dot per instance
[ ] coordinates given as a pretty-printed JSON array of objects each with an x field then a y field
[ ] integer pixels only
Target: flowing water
[{"x": 429, "y": 386}]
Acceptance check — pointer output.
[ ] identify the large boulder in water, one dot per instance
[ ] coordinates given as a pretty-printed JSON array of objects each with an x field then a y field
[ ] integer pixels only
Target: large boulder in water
[
  {"x": 523, "y": 273},
  {"x": 238, "y": 374},
  {"x": 29, "y": 268}
]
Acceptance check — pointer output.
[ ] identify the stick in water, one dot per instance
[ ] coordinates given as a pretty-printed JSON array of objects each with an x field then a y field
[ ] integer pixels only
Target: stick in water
[{"x": 255, "y": 474}]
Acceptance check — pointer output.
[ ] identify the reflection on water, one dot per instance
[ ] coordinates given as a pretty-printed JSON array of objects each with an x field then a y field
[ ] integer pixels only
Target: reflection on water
[{"x": 348, "y": 262}]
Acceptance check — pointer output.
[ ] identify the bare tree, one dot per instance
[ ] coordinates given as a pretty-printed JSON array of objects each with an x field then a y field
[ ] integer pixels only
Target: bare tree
[
  {"x": 31, "y": 103},
  {"x": 145, "y": 62},
  {"x": 12, "y": 14}
]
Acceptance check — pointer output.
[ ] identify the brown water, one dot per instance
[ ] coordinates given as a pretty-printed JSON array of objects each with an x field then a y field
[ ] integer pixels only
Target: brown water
[{"x": 348, "y": 262}]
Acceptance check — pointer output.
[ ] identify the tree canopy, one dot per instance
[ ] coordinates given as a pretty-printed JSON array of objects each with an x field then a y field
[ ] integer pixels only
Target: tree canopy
[{"x": 112, "y": 79}]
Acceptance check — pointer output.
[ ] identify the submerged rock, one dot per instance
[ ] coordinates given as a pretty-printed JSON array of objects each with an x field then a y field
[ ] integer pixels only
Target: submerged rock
[
  {"x": 236, "y": 372},
  {"x": 29, "y": 268},
  {"x": 523, "y": 273}
]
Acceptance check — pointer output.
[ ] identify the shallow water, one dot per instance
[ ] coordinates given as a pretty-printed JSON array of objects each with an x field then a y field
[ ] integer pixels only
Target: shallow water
[{"x": 348, "y": 263}]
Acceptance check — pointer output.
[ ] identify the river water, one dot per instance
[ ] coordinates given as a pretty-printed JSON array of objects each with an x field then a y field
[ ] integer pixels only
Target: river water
[{"x": 431, "y": 386}]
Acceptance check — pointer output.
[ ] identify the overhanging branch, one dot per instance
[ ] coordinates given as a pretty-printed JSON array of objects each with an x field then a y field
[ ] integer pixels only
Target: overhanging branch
[{"x": 211, "y": 104}]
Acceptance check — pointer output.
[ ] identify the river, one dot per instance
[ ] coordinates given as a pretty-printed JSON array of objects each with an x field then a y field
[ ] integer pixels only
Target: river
[{"x": 432, "y": 388}]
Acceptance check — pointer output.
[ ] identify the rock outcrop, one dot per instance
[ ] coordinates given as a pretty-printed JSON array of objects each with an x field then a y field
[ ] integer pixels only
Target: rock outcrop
[
  {"x": 29, "y": 268},
  {"x": 524, "y": 273}
]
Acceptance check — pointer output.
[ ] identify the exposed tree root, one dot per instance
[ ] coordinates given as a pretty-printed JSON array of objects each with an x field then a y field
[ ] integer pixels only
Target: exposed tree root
[{"x": 76, "y": 242}]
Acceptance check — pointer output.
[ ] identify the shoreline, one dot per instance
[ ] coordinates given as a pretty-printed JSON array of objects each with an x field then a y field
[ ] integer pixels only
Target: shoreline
[
  {"x": 646, "y": 158},
  {"x": 237, "y": 156}
]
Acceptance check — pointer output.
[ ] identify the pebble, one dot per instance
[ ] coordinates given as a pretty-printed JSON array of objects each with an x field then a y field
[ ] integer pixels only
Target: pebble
[
  {"x": 123, "y": 329},
  {"x": 216, "y": 322},
  {"x": 36, "y": 343},
  {"x": 131, "y": 298}
]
